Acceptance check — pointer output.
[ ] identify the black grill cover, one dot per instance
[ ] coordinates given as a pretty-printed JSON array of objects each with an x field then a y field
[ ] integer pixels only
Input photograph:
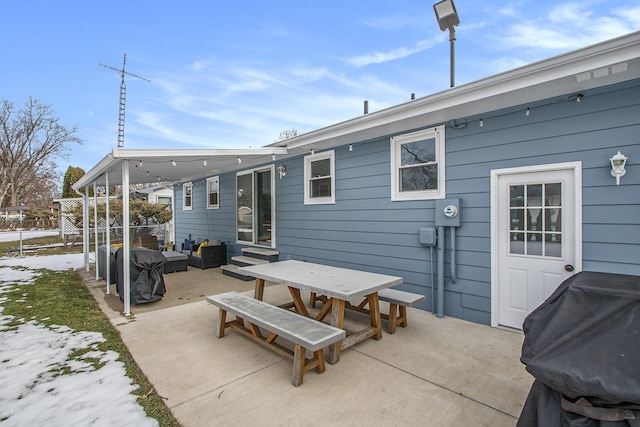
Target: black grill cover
[
  {"x": 584, "y": 340},
  {"x": 147, "y": 281}
]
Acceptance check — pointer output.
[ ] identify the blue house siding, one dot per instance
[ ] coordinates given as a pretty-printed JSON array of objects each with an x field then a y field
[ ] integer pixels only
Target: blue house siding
[
  {"x": 207, "y": 223},
  {"x": 365, "y": 230}
]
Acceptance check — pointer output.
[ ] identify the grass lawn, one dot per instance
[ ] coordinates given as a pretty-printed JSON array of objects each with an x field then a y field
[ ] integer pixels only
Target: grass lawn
[
  {"x": 61, "y": 298},
  {"x": 49, "y": 245}
]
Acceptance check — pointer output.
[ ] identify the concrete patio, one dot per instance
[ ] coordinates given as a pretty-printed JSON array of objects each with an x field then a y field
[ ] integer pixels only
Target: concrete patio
[{"x": 435, "y": 372}]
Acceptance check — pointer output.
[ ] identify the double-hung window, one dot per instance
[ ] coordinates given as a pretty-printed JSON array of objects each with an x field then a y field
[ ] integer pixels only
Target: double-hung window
[
  {"x": 213, "y": 192},
  {"x": 417, "y": 165},
  {"x": 187, "y": 199},
  {"x": 319, "y": 178}
]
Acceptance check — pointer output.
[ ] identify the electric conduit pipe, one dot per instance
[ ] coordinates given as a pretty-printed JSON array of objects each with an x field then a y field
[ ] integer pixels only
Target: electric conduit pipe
[
  {"x": 454, "y": 278},
  {"x": 440, "y": 277}
]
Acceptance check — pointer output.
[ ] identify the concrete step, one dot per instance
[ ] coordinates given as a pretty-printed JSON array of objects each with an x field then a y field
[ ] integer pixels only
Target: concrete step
[
  {"x": 231, "y": 270},
  {"x": 261, "y": 253},
  {"x": 244, "y": 261}
]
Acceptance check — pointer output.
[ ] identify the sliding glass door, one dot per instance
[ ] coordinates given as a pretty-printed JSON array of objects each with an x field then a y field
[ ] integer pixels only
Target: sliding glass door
[{"x": 255, "y": 207}]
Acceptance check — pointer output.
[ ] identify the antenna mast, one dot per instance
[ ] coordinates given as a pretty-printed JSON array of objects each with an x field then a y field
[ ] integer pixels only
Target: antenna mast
[{"x": 123, "y": 96}]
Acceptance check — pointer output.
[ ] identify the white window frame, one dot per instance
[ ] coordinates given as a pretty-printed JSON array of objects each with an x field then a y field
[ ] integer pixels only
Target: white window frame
[
  {"x": 186, "y": 207},
  {"x": 253, "y": 172},
  {"x": 215, "y": 179},
  {"x": 437, "y": 133},
  {"x": 308, "y": 200}
]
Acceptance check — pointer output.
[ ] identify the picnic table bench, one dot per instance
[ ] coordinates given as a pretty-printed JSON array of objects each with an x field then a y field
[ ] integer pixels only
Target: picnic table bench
[
  {"x": 398, "y": 303},
  {"x": 305, "y": 333},
  {"x": 337, "y": 285}
]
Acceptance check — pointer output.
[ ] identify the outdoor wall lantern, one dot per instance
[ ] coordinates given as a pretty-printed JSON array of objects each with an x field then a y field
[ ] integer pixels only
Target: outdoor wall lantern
[
  {"x": 447, "y": 19},
  {"x": 617, "y": 166},
  {"x": 282, "y": 171}
]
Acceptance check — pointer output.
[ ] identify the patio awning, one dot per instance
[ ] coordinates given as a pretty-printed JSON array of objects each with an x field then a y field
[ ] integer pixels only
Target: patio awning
[
  {"x": 135, "y": 166},
  {"x": 173, "y": 165}
]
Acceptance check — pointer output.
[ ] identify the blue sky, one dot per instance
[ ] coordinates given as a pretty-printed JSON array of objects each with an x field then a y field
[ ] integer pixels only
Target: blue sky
[{"x": 235, "y": 74}]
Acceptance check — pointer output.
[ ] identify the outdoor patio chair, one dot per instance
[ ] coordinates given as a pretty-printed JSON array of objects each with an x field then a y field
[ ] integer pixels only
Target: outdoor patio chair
[
  {"x": 209, "y": 255},
  {"x": 149, "y": 242}
]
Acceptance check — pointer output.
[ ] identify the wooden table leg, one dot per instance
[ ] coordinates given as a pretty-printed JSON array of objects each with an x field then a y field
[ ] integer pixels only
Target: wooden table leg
[
  {"x": 337, "y": 320},
  {"x": 222, "y": 323},
  {"x": 374, "y": 314},
  {"x": 297, "y": 301},
  {"x": 258, "y": 293}
]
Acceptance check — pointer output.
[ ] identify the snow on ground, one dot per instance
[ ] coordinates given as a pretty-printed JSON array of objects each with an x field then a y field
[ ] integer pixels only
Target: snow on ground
[
  {"x": 30, "y": 355},
  {"x": 53, "y": 262},
  {"x": 13, "y": 236}
]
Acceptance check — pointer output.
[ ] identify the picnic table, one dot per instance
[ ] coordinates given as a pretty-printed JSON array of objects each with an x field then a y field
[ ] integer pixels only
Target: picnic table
[{"x": 339, "y": 285}]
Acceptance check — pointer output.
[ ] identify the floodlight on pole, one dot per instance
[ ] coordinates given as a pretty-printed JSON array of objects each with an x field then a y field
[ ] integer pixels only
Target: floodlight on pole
[{"x": 448, "y": 19}]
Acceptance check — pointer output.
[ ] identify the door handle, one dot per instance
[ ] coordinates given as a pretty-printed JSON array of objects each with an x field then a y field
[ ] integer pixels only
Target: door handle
[{"x": 569, "y": 268}]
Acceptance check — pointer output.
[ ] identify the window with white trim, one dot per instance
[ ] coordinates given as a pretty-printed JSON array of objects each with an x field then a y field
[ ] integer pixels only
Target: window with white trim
[
  {"x": 319, "y": 178},
  {"x": 417, "y": 165},
  {"x": 213, "y": 192},
  {"x": 165, "y": 200},
  {"x": 187, "y": 199}
]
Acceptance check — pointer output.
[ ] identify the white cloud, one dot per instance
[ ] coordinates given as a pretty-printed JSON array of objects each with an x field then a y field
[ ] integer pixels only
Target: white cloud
[
  {"x": 310, "y": 74},
  {"x": 569, "y": 26},
  {"x": 394, "y": 54},
  {"x": 199, "y": 65},
  {"x": 631, "y": 14}
]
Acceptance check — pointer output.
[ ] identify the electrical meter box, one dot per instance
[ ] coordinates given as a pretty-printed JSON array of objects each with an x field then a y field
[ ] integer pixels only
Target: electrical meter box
[
  {"x": 428, "y": 236},
  {"x": 448, "y": 213}
]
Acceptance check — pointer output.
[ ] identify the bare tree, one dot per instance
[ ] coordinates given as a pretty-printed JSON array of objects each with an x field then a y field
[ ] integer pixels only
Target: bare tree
[{"x": 30, "y": 140}]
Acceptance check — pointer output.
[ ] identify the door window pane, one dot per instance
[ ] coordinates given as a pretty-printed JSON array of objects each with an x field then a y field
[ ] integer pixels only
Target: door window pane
[{"x": 535, "y": 219}]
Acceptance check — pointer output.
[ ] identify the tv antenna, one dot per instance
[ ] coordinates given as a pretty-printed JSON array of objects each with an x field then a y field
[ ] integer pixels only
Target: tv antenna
[{"x": 123, "y": 96}]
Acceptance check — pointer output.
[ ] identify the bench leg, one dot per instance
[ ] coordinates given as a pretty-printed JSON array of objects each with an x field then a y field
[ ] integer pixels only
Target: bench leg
[
  {"x": 393, "y": 318},
  {"x": 397, "y": 316},
  {"x": 299, "y": 360},
  {"x": 319, "y": 354},
  {"x": 403, "y": 316}
]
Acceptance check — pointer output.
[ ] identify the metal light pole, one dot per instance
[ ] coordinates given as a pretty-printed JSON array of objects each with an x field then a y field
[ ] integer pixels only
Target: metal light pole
[{"x": 448, "y": 19}]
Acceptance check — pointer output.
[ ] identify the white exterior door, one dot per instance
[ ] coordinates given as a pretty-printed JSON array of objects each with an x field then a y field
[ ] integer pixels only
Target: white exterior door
[{"x": 536, "y": 234}]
